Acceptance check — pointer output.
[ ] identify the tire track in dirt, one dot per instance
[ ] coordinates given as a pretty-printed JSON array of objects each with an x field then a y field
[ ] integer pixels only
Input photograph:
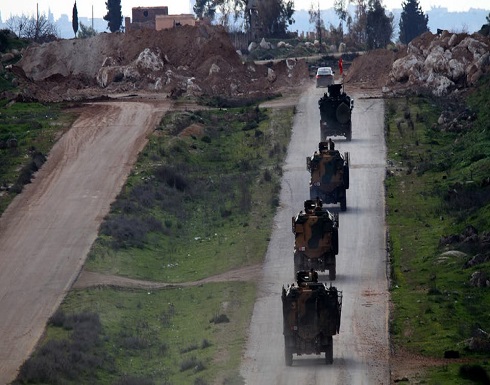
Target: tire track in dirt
[{"x": 89, "y": 279}]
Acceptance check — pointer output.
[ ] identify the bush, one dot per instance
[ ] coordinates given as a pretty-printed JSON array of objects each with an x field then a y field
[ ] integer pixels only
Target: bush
[
  {"x": 191, "y": 363},
  {"x": 134, "y": 343},
  {"x": 129, "y": 231},
  {"x": 74, "y": 358},
  {"x": 171, "y": 177},
  {"x": 218, "y": 319}
]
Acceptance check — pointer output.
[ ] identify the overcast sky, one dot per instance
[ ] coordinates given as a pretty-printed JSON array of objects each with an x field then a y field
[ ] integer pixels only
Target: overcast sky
[{"x": 58, "y": 7}]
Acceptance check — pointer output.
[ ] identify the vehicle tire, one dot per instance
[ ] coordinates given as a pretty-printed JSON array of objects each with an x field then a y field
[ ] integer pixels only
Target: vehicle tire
[
  {"x": 297, "y": 263},
  {"x": 332, "y": 273},
  {"x": 348, "y": 134},
  {"x": 335, "y": 241},
  {"x": 288, "y": 356},
  {"x": 346, "y": 177},
  {"x": 329, "y": 352},
  {"x": 343, "y": 203}
]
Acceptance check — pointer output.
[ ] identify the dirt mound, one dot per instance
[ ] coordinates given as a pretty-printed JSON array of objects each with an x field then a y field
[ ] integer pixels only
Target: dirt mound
[
  {"x": 370, "y": 70},
  {"x": 197, "y": 60}
]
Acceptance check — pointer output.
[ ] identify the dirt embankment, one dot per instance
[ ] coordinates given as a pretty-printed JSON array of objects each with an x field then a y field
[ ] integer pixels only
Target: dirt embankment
[
  {"x": 438, "y": 64},
  {"x": 187, "y": 60}
]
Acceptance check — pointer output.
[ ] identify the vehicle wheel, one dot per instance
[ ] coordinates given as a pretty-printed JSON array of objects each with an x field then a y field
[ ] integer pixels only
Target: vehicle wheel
[
  {"x": 297, "y": 264},
  {"x": 335, "y": 241},
  {"x": 346, "y": 177},
  {"x": 348, "y": 136},
  {"x": 343, "y": 203},
  {"x": 329, "y": 352},
  {"x": 332, "y": 273},
  {"x": 288, "y": 356}
]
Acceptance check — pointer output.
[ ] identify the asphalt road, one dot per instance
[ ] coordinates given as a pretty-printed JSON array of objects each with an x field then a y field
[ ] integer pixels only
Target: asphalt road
[{"x": 361, "y": 350}]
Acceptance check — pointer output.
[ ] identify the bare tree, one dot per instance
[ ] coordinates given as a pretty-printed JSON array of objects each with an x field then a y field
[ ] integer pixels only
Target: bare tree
[
  {"x": 316, "y": 19},
  {"x": 38, "y": 29}
]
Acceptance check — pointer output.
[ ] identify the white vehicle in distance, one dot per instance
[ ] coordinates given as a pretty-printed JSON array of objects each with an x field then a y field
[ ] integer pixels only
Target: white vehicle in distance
[{"x": 324, "y": 77}]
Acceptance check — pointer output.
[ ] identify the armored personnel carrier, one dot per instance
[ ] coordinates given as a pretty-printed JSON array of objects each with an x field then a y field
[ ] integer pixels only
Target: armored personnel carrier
[
  {"x": 311, "y": 316},
  {"x": 335, "y": 113},
  {"x": 329, "y": 174},
  {"x": 316, "y": 240}
]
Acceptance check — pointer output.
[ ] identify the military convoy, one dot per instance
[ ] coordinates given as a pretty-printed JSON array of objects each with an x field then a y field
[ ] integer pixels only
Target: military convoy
[
  {"x": 311, "y": 309},
  {"x": 329, "y": 174},
  {"x": 316, "y": 241},
  {"x": 311, "y": 316},
  {"x": 335, "y": 113}
]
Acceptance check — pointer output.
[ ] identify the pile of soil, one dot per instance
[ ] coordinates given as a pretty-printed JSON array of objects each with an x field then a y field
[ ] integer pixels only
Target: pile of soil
[
  {"x": 370, "y": 70},
  {"x": 197, "y": 61}
]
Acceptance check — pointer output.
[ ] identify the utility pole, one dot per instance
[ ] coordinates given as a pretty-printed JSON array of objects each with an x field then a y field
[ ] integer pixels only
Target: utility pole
[
  {"x": 319, "y": 25},
  {"x": 36, "y": 35}
]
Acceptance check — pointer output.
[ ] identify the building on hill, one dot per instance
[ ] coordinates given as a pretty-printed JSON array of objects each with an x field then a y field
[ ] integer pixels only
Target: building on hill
[{"x": 156, "y": 18}]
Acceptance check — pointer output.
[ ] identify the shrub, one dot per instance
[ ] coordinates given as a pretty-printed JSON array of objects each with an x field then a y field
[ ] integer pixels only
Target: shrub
[
  {"x": 188, "y": 363},
  {"x": 134, "y": 343},
  {"x": 74, "y": 358},
  {"x": 171, "y": 177},
  {"x": 218, "y": 319}
]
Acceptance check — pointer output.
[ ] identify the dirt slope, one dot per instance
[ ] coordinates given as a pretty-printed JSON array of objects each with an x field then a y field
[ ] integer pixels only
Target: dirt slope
[
  {"x": 193, "y": 60},
  {"x": 48, "y": 230}
]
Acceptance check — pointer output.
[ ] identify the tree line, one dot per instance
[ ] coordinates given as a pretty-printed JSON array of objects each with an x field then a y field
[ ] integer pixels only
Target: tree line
[{"x": 371, "y": 26}]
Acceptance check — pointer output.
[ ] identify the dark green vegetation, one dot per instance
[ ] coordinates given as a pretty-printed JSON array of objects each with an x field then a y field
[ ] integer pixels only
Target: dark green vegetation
[
  {"x": 27, "y": 132},
  {"x": 9, "y": 41},
  {"x": 114, "y": 16},
  {"x": 413, "y": 22},
  {"x": 200, "y": 201},
  {"x": 135, "y": 337},
  {"x": 438, "y": 212}
]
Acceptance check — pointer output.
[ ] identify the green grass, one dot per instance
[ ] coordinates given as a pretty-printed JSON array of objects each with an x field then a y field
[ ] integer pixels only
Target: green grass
[
  {"x": 209, "y": 198},
  {"x": 35, "y": 127},
  {"x": 200, "y": 201},
  {"x": 435, "y": 307},
  {"x": 165, "y": 336}
]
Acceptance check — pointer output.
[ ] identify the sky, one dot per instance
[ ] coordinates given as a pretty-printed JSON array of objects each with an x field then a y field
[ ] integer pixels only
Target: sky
[{"x": 59, "y": 7}]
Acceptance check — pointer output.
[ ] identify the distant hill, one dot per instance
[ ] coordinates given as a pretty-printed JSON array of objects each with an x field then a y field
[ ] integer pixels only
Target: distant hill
[{"x": 441, "y": 18}]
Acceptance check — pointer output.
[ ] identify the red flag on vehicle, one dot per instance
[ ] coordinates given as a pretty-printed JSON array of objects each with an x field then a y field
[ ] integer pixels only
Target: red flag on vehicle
[{"x": 340, "y": 66}]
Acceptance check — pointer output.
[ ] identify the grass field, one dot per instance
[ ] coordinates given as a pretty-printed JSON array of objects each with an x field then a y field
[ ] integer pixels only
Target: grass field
[
  {"x": 27, "y": 133},
  {"x": 437, "y": 188},
  {"x": 200, "y": 201}
]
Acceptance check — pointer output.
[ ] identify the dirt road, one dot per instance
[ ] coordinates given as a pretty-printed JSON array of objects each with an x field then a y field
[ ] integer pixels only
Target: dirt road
[
  {"x": 47, "y": 231},
  {"x": 361, "y": 350}
]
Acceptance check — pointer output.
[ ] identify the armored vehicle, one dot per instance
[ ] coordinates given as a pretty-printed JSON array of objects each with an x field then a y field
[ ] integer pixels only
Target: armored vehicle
[
  {"x": 335, "y": 113},
  {"x": 316, "y": 238},
  {"x": 329, "y": 172},
  {"x": 311, "y": 316}
]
